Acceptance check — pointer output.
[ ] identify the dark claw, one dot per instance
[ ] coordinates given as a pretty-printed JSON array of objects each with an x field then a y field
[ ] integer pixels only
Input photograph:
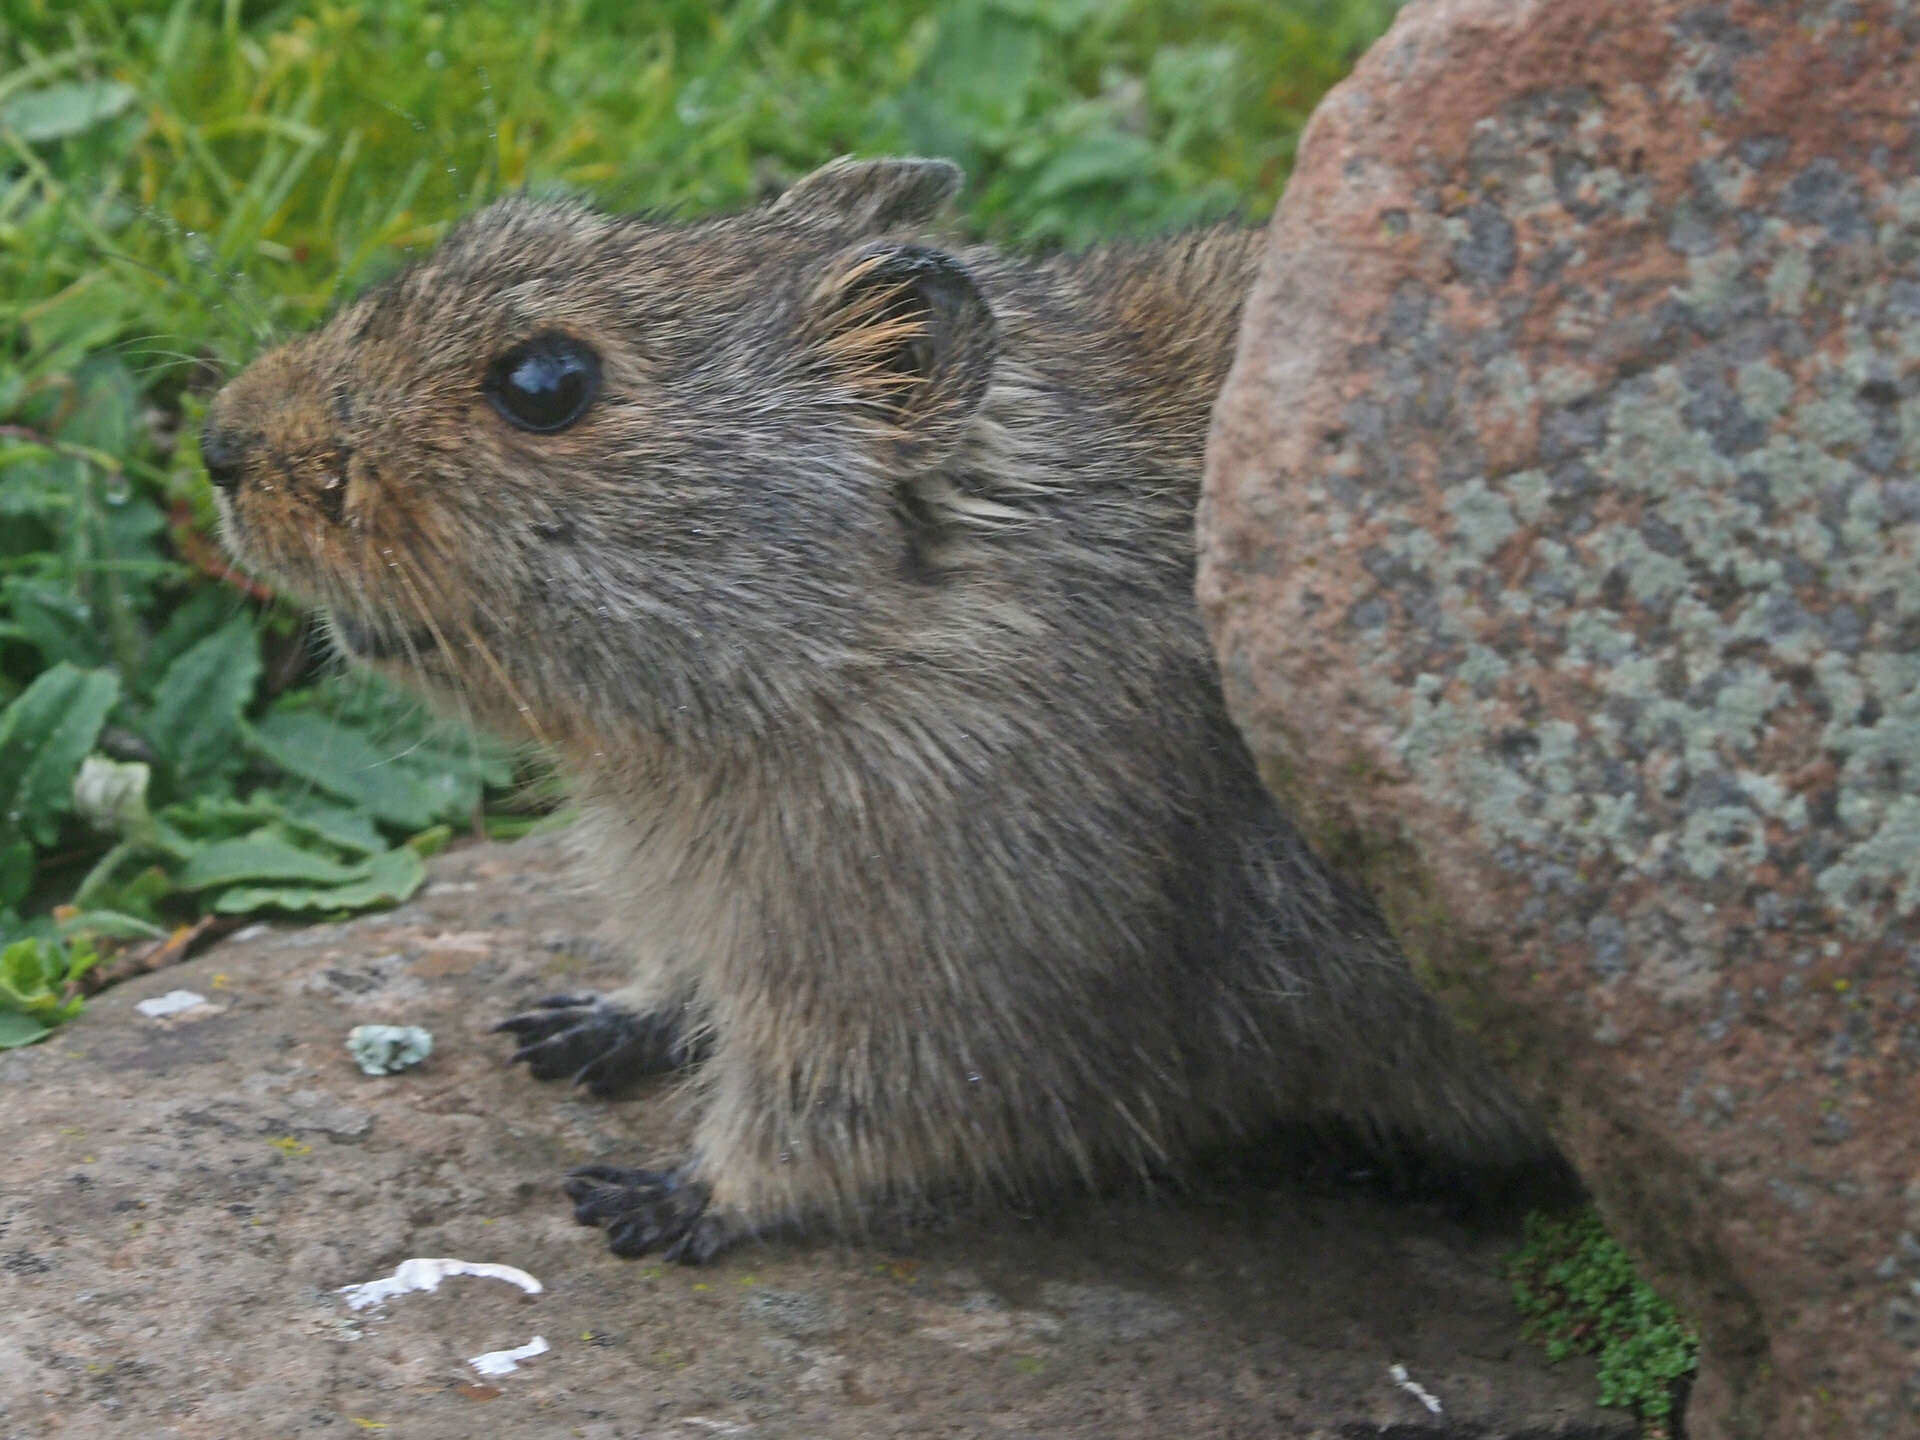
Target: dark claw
[
  {"x": 562, "y": 1002},
  {"x": 644, "y": 1210},
  {"x": 583, "y": 1039}
]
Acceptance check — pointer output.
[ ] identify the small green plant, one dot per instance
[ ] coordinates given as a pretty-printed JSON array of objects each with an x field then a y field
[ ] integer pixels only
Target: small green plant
[
  {"x": 36, "y": 976},
  {"x": 1581, "y": 1296}
]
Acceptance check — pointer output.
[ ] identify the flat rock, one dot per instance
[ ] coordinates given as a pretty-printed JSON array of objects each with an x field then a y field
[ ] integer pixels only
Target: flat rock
[
  {"x": 185, "y": 1196},
  {"x": 1561, "y": 543}
]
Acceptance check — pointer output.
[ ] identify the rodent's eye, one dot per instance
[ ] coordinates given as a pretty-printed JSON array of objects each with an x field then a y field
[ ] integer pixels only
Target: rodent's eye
[{"x": 544, "y": 384}]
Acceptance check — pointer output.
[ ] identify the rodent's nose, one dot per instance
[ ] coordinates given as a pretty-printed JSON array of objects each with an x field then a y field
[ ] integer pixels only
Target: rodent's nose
[{"x": 222, "y": 451}]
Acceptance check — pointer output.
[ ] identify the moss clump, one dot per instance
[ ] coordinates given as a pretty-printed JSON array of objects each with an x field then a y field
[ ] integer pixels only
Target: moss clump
[{"x": 1581, "y": 1296}]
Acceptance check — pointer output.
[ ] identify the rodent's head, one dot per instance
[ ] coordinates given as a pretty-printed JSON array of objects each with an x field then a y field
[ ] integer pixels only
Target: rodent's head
[{"x": 583, "y": 470}]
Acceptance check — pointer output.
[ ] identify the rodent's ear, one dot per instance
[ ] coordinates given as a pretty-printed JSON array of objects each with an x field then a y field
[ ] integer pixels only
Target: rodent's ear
[
  {"x": 905, "y": 325},
  {"x": 866, "y": 196}
]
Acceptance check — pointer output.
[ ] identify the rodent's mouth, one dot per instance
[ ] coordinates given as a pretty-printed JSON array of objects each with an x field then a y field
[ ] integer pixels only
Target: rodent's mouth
[
  {"x": 367, "y": 642},
  {"x": 359, "y": 639}
]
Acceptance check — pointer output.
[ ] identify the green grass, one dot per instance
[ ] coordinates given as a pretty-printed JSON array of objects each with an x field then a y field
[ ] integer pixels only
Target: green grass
[
  {"x": 182, "y": 182},
  {"x": 1581, "y": 1296}
]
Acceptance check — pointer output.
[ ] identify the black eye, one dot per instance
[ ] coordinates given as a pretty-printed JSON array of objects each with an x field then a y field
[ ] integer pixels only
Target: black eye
[{"x": 544, "y": 384}]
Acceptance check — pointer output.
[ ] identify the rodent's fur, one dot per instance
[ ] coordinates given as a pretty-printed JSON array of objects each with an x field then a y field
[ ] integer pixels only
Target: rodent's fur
[{"x": 859, "y": 606}]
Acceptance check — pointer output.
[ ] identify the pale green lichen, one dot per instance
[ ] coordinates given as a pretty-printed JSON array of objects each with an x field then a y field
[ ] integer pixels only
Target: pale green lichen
[
  {"x": 1903, "y": 200},
  {"x": 1420, "y": 549},
  {"x": 1482, "y": 666},
  {"x": 388, "y": 1049},
  {"x": 1886, "y": 856},
  {"x": 1831, "y": 422},
  {"x": 1592, "y": 639},
  {"x": 1744, "y": 702},
  {"x": 1714, "y": 281},
  {"x": 1483, "y": 520},
  {"x": 1788, "y": 280},
  {"x": 1772, "y": 798},
  {"x": 1563, "y": 384},
  {"x": 1764, "y": 389},
  {"x": 1512, "y": 396},
  {"x": 1529, "y": 493},
  {"x": 1653, "y": 579},
  {"x": 1711, "y": 839},
  {"x": 1731, "y": 545},
  {"x": 1795, "y": 474}
]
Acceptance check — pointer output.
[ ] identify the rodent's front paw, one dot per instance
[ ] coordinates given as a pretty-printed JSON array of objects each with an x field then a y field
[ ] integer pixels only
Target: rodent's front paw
[
  {"x": 642, "y": 1210},
  {"x": 601, "y": 1046}
]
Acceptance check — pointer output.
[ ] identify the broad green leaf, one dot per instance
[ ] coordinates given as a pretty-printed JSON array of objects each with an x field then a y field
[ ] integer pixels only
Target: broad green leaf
[
  {"x": 106, "y": 922},
  {"x": 17, "y": 1030},
  {"x": 980, "y": 76},
  {"x": 34, "y": 480},
  {"x": 197, "y": 706},
  {"x": 16, "y": 868},
  {"x": 129, "y": 524},
  {"x": 68, "y": 327},
  {"x": 186, "y": 825},
  {"x": 1195, "y": 84},
  {"x": 399, "y": 725},
  {"x": 29, "y": 927},
  {"x": 263, "y": 855},
  {"x": 387, "y": 780},
  {"x": 429, "y": 843},
  {"x": 1100, "y": 156},
  {"x": 1066, "y": 16},
  {"x": 103, "y": 413},
  {"x": 56, "y": 622},
  {"x": 188, "y": 623},
  {"x": 136, "y": 896},
  {"x": 350, "y": 829},
  {"x": 44, "y": 735},
  {"x": 391, "y": 877},
  {"x": 57, "y": 111},
  {"x": 516, "y": 827}
]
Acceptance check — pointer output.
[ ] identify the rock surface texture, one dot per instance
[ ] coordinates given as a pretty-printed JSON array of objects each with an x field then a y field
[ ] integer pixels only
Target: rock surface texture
[
  {"x": 1561, "y": 542},
  {"x": 183, "y": 1196}
]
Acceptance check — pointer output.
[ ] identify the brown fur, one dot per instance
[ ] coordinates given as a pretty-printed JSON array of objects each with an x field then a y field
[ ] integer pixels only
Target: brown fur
[{"x": 859, "y": 606}]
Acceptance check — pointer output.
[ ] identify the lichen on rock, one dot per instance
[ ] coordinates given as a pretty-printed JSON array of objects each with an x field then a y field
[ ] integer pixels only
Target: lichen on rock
[{"x": 1585, "y": 373}]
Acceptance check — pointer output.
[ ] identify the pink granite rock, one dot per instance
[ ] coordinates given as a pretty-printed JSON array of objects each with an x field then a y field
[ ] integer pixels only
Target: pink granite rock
[{"x": 1562, "y": 546}]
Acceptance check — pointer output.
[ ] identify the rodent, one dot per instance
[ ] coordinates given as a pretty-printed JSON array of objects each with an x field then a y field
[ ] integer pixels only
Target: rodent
[{"x": 850, "y": 574}]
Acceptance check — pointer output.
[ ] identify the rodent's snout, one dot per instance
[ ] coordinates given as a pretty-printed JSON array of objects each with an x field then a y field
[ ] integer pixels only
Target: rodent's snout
[{"x": 222, "y": 451}]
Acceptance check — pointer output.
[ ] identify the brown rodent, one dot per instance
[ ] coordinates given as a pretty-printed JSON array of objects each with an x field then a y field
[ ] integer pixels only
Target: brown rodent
[{"x": 851, "y": 574}]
